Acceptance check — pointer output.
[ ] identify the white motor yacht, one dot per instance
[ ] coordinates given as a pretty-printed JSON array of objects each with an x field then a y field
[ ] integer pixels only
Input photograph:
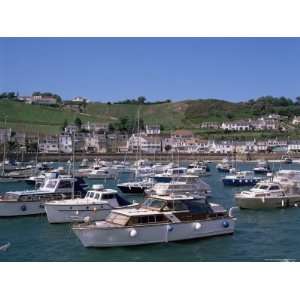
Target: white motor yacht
[
  {"x": 267, "y": 195},
  {"x": 21, "y": 203},
  {"x": 95, "y": 206},
  {"x": 158, "y": 220},
  {"x": 185, "y": 184},
  {"x": 103, "y": 173}
]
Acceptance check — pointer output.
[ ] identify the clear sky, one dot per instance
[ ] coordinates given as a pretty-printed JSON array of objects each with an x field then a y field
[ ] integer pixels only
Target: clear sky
[{"x": 111, "y": 69}]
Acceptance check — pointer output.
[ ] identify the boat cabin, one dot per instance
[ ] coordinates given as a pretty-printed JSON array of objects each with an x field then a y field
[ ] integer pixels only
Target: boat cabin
[{"x": 166, "y": 209}]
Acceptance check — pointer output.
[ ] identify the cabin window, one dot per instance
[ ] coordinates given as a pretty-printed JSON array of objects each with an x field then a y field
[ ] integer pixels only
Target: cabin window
[
  {"x": 198, "y": 206},
  {"x": 118, "y": 219},
  {"x": 65, "y": 185},
  {"x": 263, "y": 187},
  {"x": 274, "y": 188},
  {"x": 11, "y": 197},
  {"x": 91, "y": 195},
  {"x": 51, "y": 184},
  {"x": 108, "y": 196},
  {"x": 97, "y": 196}
]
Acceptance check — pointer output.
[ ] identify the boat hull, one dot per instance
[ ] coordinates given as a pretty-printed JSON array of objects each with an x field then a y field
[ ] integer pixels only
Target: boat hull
[
  {"x": 270, "y": 202},
  {"x": 132, "y": 189},
  {"x": 57, "y": 213},
  {"x": 159, "y": 233},
  {"x": 12, "y": 209}
]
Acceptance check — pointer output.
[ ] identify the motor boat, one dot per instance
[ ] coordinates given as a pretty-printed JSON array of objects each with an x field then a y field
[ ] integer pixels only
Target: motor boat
[
  {"x": 199, "y": 164},
  {"x": 267, "y": 195},
  {"x": 95, "y": 206},
  {"x": 136, "y": 187},
  {"x": 170, "y": 174},
  {"x": 187, "y": 184},
  {"x": 286, "y": 159},
  {"x": 31, "y": 202},
  {"x": 224, "y": 166},
  {"x": 40, "y": 179},
  {"x": 160, "y": 219},
  {"x": 103, "y": 173},
  {"x": 262, "y": 167},
  {"x": 241, "y": 178}
]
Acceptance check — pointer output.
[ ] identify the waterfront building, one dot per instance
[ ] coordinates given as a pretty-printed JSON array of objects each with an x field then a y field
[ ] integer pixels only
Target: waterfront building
[
  {"x": 65, "y": 143},
  {"x": 48, "y": 144},
  {"x": 95, "y": 127},
  {"x": 152, "y": 129}
]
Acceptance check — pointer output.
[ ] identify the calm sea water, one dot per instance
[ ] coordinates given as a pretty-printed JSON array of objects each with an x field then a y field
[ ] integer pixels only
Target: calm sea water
[{"x": 260, "y": 236}]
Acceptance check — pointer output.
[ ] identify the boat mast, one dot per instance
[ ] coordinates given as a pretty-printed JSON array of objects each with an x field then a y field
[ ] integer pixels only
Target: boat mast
[
  {"x": 4, "y": 146},
  {"x": 73, "y": 165}
]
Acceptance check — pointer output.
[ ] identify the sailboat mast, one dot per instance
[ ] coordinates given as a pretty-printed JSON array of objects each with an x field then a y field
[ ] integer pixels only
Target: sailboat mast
[{"x": 4, "y": 147}]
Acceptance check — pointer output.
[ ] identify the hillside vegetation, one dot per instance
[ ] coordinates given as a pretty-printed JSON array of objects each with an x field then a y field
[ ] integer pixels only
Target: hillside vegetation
[{"x": 171, "y": 115}]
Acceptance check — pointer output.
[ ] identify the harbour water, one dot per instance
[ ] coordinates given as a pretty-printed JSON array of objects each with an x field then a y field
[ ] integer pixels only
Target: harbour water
[{"x": 265, "y": 235}]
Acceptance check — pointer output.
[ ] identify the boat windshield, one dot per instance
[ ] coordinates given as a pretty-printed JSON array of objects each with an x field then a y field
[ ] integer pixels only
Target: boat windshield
[
  {"x": 262, "y": 187},
  {"x": 153, "y": 204},
  {"x": 50, "y": 184}
]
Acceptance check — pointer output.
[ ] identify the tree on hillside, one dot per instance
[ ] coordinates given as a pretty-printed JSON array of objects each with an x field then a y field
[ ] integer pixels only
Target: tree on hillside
[
  {"x": 141, "y": 100},
  {"x": 78, "y": 122},
  {"x": 65, "y": 124}
]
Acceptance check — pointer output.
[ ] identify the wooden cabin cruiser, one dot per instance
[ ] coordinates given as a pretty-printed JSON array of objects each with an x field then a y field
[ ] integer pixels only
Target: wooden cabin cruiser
[
  {"x": 170, "y": 174},
  {"x": 158, "y": 220},
  {"x": 267, "y": 195},
  {"x": 21, "y": 203},
  {"x": 242, "y": 178},
  {"x": 224, "y": 166},
  {"x": 95, "y": 206},
  {"x": 262, "y": 167},
  {"x": 185, "y": 184},
  {"x": 136, "y": 187}
]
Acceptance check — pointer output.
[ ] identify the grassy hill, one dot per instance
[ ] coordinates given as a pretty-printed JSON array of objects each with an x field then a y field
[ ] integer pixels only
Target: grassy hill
[{"x": 173, "y": 115}]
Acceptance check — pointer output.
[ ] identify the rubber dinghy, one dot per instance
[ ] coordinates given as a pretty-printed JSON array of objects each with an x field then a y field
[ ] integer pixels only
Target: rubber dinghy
[{"x": 4, "y": 247}]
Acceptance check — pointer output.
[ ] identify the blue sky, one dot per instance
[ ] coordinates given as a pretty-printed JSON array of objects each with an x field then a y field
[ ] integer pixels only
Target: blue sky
[{"x": 112, "y": 69}]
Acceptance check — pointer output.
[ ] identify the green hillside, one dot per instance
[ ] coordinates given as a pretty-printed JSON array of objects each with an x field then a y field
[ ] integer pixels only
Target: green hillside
[{"x": 172, "y": 115}]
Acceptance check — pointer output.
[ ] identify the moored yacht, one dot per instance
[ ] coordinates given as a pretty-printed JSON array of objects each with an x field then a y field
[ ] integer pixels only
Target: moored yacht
[
  {"x": 21, "y": 203},
  {"x": 158, "y": 220},
  {"x": 267, "y": 195},
  {"x": 224, "y": 166},
  {"x": 262, "y": 167},
  {"x": 170, "y": 174},
  {"x": 136, "y": 187},
  {"x": 185, "y": 184},
  {"x": 95, "y": 206}
]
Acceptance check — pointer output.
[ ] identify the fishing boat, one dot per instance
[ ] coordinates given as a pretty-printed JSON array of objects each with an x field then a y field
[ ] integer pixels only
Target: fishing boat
[
  {"x": 95, "y": 206},
  {"x": 31, "y": 202},
  {"x": 262, "y": 167},
  {"x": 241, "y": 178},
  {"x": 187, "y": 184},
  {"x": 159, "y": 219},
  {"x": 224, "y": 166},
  {"x": 267, "y": 195}
]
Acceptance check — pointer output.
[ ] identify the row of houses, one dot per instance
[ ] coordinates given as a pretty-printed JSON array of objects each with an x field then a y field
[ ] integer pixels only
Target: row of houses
[{"x": 270, "y": 122}]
